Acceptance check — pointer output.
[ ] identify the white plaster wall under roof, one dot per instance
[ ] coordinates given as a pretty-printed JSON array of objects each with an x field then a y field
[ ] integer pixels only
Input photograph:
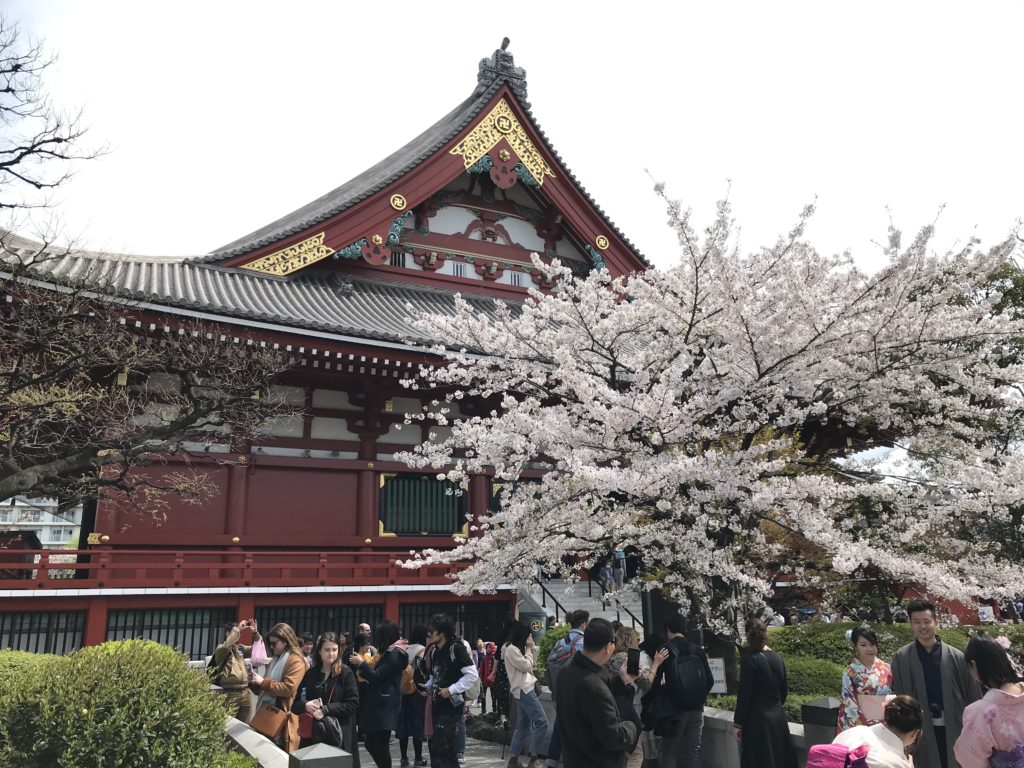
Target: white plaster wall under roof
[{"x": 333, "y": 398}]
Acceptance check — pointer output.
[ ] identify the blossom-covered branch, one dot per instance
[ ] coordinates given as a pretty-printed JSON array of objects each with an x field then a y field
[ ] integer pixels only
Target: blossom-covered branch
[{"x": 696, "y": 413}]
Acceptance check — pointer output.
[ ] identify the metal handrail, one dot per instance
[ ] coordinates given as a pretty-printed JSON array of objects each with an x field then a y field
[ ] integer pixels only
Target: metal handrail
[
  {"x": 619, "y": 607},
  {"x": 546, "y": 593}
]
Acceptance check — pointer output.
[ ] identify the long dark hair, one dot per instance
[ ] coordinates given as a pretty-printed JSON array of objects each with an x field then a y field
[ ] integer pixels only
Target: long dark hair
[
  {"x": 992, "y": 662},
  {"x": 503, "y": 629},
  {"x": 338, "y": 665},
  {"x": 386, "y": 635},
  {"x": 517, "y": 635}
]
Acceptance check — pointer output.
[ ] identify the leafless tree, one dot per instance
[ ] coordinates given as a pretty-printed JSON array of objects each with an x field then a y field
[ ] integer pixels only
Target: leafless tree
[{"x": 37, "y": 140}]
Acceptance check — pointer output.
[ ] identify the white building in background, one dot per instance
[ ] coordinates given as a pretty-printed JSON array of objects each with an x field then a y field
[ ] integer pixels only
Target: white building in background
[{"x": 54, "y": 529}]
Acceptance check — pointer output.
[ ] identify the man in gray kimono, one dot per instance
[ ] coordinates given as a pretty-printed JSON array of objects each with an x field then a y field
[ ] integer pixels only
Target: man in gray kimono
[{"x": 935, "y": 674}]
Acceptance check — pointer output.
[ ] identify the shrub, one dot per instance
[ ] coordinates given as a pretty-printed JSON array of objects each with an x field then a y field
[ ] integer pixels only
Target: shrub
[
  {"x": 813, "y": 677},
  {"x": 131, "y": 703},
  {"x": 792, "y": 706},
  {"x": 547, "y": 642},
  {"x": 828, "y": 641}
]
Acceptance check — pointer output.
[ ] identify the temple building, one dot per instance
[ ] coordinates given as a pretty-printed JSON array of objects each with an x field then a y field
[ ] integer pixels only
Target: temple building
[{"x": 460, "y": 208}]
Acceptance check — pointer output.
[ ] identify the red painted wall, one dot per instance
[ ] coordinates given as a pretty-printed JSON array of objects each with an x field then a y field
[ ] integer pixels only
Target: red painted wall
[{"x": 289, "y": 502}]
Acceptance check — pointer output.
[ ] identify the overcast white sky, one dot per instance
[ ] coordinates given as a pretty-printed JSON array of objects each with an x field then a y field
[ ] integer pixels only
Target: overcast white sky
[{"x": 221, "y": 116}]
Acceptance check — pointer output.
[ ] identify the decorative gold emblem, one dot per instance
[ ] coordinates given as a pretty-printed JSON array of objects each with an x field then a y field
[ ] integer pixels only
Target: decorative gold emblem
[
  {"x": 235, "y": 539},
  {"x": 601, "y": 242},
  {"x": 398, "y": 202},
  {"x": 505, "y": 155},
  {"x": 92, "y": 538},
  {"x": 377, "y": 239},
  {"x": 501, "y": 123},
  {"x": 292, "y": 258}
]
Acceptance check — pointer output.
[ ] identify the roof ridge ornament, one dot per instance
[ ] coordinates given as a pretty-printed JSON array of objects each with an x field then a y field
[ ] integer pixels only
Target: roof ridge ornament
[{"x": 501, "y": 66}]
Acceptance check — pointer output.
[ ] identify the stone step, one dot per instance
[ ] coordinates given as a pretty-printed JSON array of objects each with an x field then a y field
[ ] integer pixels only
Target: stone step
[{"x": 595, "y": 603}]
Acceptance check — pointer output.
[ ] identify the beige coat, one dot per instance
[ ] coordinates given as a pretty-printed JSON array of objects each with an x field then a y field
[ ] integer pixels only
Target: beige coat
[{"x": 285, "y": 690}]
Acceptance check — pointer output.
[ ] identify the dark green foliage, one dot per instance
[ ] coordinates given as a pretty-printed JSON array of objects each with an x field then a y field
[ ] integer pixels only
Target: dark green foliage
[
  {"x": 792, "y": 706},
  {"x": 132, "y": 703},
  {"x": 547, "y": 642},
  {"x": 812, "y": 677},
  {"x": 238, "y": 760},
  {"x": 816, "y": 654},
  {"x": 828, "y": 641}
]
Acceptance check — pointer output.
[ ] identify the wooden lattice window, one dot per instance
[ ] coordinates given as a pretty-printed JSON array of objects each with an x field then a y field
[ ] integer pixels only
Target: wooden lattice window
[{"x": 413, "y": 504}]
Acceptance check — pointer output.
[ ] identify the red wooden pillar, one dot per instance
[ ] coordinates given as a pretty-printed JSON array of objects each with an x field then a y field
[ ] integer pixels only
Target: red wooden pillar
[
  {"x": 96, "y": 622},
  {"x": 479, "y": 499},
  {"x": 238, "y": 497},
  {"x": 391, "y": 607},
  {"x": 366, "y": 504},
  {"x": 246, "y": 608}
]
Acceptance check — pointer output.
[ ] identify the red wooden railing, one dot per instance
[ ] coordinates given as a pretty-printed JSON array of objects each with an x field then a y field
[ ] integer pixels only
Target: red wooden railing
[{"x": 141, "y": 568}]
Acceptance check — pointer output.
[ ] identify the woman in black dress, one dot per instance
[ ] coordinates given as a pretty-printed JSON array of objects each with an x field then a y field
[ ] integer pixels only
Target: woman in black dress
[{"x": 760, "y": 720}]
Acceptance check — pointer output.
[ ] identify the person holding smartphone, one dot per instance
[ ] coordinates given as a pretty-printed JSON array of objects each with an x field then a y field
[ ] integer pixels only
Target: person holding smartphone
[
  {"x": 639, "y": 666},
  {"x": 227, "y": 667},
  {"x": 520, "y": 654}
]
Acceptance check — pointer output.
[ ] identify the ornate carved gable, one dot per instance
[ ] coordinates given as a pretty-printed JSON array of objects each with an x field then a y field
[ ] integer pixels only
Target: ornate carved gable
[{"x": 485, "y": 167}]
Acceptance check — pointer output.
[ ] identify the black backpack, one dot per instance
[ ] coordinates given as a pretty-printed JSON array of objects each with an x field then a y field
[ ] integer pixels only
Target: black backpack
[{"x": 686, "y": 679}]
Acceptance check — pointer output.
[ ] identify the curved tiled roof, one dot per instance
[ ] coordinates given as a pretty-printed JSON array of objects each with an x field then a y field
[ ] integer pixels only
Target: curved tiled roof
[
  {"x": 494, "y": 72},
  {"x": 312, "y": 299}
]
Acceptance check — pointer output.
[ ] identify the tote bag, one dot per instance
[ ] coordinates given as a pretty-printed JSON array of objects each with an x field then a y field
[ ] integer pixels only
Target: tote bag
[{"x": 269, "y": 720}]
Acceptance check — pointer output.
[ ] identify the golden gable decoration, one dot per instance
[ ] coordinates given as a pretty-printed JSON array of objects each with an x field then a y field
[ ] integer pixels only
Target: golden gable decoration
[
  {"x": 501, "y": 123},
  {"x": 292, "y": 258}
]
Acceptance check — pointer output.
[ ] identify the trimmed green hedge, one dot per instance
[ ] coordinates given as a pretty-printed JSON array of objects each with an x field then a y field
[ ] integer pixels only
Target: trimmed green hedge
[
  {"x": 816, "y": 654},
  {"x": 132, "y": 703},
  {"x": 792, "y": 706},
  {"x": 828, "y": 641},
  {"x": 808, "y": 676}
]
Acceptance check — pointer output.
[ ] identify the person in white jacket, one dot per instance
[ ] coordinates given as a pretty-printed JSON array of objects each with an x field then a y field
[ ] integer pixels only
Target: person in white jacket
[
  {"x": 887, "y": 741},
  {"x": 519, "y": 655}
]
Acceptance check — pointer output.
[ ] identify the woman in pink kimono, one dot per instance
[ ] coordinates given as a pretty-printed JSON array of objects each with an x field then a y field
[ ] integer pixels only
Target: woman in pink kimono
[
  {"x": 993, "y": 734},
  {"x": 866, "y": 678}
]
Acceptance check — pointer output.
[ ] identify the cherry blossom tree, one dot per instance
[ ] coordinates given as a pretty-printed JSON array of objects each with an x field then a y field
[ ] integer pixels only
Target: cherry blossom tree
[{"x": 740, "y": 417}]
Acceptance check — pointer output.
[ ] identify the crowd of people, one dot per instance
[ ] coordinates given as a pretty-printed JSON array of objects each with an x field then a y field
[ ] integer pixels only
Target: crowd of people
[
  {"x": 340, "y": 689},
  {"x": 618, "y": 701}
]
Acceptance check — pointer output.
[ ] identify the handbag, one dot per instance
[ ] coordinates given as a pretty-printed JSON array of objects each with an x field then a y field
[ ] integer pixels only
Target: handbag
[
  {"x": 269, "y": 720},
  {"x": 258, "y": 654},
  {"x": 306, "y": 721}
]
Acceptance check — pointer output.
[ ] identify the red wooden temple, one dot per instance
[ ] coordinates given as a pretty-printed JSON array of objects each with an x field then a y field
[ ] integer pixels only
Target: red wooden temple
[{"x": 307, "y": 524}]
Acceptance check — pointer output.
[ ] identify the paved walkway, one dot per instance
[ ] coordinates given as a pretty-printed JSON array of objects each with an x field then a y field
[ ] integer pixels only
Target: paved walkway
[{"x": 479, "y": 754}]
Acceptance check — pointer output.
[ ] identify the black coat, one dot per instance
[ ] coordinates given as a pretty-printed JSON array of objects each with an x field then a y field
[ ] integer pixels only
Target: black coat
[
  {"x": 383, "y": 697},
  {"x": 340, "y": 695},
  {"x": 765, "y": 741},
  {"x": 596, "y": 719}
]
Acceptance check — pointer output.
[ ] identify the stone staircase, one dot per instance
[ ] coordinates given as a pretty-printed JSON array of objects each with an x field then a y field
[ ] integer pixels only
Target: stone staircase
[{"x": 623, "y": 605}]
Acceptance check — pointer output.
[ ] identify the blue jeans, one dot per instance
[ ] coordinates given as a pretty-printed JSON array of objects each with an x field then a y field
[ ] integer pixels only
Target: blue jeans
[{"x": 530, "y": 718}]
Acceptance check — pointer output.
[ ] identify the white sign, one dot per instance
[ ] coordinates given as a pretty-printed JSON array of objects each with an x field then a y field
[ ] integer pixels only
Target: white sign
[
  {"x": 718, "y": 674},
  {"x": 986, "y": 615}
]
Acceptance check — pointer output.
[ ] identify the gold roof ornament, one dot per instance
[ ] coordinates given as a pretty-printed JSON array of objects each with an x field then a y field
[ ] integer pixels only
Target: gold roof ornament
[
  {"x": 501, "y": 123},
  {"x": 292, "y": 258}
]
